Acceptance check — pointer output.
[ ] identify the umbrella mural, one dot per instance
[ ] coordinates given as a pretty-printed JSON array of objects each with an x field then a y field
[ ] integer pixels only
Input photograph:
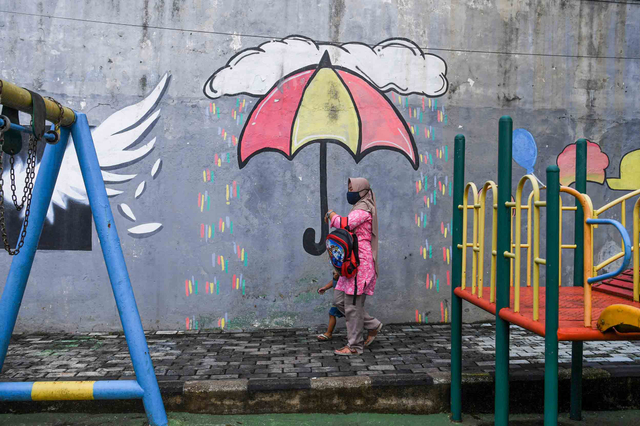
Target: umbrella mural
[{"x": 323, "y": 103}]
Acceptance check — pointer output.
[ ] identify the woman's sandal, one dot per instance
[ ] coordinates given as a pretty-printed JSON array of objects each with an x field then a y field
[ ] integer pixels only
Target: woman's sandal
[
  {"x": 346, "y": 351},
  {"x": 370, "y": 338},
  {"x": 324, "y": 338}
]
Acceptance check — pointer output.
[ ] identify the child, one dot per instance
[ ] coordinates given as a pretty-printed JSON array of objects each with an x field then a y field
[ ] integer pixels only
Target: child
[{"x": 333, "y": 312}]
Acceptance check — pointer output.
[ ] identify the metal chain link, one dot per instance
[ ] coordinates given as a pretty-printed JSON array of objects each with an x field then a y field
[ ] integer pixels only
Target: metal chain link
[
  {"x": 29, "y": 173},
  {"x": 60, "y": 115},
  {"x": 28, "y": 186},
  {"x": 3, "y": 227}
]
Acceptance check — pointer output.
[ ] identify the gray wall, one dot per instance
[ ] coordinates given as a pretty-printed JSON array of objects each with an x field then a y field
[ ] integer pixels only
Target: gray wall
[{"x": 561, "y": 69}]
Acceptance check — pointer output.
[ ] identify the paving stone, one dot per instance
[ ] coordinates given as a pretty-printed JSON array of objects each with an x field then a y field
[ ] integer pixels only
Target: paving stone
[{"x": 292, "y": 354}]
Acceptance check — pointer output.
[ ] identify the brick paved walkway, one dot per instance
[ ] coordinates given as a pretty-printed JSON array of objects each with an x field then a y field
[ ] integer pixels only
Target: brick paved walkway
[{"x": 279, "y": 353}]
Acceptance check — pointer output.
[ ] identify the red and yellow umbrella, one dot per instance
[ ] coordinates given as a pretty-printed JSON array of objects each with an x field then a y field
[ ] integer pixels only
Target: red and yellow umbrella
[{"x": 324, "y": 104}]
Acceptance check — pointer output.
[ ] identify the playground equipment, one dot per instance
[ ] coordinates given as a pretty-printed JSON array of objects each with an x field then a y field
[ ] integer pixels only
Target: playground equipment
[
  {"x": 145, "y": 386},
  {"x": 596, "y": 308}
]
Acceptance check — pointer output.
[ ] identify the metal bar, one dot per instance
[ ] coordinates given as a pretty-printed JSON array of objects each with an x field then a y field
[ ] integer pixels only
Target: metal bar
[
  {"x": 636, "y": 253},
  {"x": 575, "y": 412},
  {"x": 18, "y": 128},
  {"x": 623, "y": 218},
  {"x": 610, "y": 260},
  {"x": 518, "y": 244},
  {"x": 552, "y": 292},
  {"x": 560, "y": 244},
  {"x": 627, "y": 248},
  {"x": 587, "y": 210},
  {"x": 616, "y": 201},
  {"x": 21, "y": 264},
  {"x": 503, "y": 264},
  {"x": 18, "y": 98},
  {"x": 529, "y": 237},
  {"x": 474, "y": 190},
  {"x": 456, "y": 272},
  {"x": 117, "y": 269},
  {"x": 70, "y": 391}
]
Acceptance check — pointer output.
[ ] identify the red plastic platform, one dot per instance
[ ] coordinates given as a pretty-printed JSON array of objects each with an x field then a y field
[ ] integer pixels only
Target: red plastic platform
[
  {"x": 621, "y": 285},
  {"x": 571, "y": 312}
]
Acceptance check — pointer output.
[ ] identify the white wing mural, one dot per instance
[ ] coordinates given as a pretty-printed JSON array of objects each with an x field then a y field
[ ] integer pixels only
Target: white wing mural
[{"x": 120, "y": 141}]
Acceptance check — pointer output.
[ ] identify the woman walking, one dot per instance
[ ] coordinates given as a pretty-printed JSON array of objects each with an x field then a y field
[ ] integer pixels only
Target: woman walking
[{"x": 363, "y": 221}]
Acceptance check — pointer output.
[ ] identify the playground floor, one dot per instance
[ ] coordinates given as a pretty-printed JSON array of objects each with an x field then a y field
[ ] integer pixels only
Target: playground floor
[
  {"x": 608, "y": 418},
  {"x": 290, "y": 353},
  {"x": 406, "y": 371}
]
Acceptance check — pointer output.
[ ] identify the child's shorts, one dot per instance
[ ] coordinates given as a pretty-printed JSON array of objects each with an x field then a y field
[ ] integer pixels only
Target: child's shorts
[{"x": 335, "y": 312}]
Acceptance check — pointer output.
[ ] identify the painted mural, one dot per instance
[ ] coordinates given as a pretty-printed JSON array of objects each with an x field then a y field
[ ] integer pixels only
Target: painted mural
[
  {"x": 120, "y": 142},
  {"x": 295, "y": 92},
  {"x": 597, "y": 163},
  {"x": 629, "y": 178}
]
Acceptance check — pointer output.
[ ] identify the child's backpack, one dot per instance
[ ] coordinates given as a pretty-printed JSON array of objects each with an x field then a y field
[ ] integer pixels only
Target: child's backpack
[{"x": 342, "y": 246}]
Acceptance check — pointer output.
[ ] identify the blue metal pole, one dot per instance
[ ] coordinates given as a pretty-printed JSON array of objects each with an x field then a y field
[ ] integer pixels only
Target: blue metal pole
[
  {"x": 117, "y": 269},
  {"x": 18, "y": 128},
  {"x": 21, "y": 264},
  {"x": 61, "y": 391}
]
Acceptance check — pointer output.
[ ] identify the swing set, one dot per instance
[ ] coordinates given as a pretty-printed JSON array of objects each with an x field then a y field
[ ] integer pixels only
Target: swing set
[
  {"x": 595, "y": 308},
  {"x": 35, "y": 201}
]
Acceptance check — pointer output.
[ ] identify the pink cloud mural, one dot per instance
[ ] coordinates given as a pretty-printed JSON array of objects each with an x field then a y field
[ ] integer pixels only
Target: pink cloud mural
[{"x": 597, "y": 163}]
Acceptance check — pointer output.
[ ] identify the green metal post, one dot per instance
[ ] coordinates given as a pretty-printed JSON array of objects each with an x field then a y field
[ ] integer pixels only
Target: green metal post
[
  {"x": 503, "y": 270},
  {"x": 551, "y": 291},
  {"x": 578, "y": 279},
  {"x": 456, "y": 273}
]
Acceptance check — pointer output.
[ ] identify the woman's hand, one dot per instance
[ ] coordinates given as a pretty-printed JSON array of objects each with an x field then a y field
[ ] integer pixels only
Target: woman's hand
[
  {"x": 329, "y": 216},
  {"x": 321, "y": 290}
]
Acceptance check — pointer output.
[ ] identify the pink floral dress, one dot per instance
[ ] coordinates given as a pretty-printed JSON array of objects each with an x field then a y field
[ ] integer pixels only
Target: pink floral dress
[{"x": 359, "y": 222}]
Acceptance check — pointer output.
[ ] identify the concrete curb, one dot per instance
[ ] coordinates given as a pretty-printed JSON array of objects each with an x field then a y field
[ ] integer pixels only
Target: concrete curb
[{"x": 401, "y": 394}]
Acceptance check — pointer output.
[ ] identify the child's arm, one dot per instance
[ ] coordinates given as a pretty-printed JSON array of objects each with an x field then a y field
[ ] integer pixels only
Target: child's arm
[{"x": 321, "y": 290}]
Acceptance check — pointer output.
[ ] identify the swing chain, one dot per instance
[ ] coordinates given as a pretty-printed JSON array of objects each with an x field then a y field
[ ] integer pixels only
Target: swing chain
[
  {"x": 3, "y": 227},
  {"x": 56, "y": 130},
  {"x": 29, "y": 174}
]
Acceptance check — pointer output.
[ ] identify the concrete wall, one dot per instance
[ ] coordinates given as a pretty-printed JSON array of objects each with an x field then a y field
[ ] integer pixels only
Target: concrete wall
[{"x": 561, "y": 69}]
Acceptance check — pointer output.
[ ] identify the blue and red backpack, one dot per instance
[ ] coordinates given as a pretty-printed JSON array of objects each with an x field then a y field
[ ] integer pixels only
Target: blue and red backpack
[{"x": 342, "y": 246}]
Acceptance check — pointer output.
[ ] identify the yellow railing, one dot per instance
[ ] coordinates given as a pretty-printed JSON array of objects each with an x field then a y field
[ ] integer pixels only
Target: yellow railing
[
  {"x": 489, "y": 185},
  {"x": 587, "y": 208},
  {"x": 636, "y": 253},
  {"x": 532, "y": 244},
  {"x": 470, "y": 187},
  {"x": 622, "y": 201}
]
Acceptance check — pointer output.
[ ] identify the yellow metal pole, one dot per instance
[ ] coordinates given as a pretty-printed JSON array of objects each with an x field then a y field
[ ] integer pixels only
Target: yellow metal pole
[
  {"x": 518, "y": 243},
  {"x": 624, "y": 220},
  {"x": 636, "y": 252},
  {"x": 18, "y": 98},
  {"x": 465, "y": 208},
  {"x": 560, "y": 246},
  {"x": 530, "y": 205},
  {"x": 481, "y": 234},
  {"x": 589, "y": 270}
]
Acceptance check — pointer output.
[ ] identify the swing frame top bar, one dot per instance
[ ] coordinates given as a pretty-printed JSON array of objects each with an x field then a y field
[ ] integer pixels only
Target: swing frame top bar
[{"x": 18, "y": 98}]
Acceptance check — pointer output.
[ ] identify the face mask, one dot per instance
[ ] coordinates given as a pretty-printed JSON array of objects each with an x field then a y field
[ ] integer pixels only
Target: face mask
[{"x": 353, "y": 197}]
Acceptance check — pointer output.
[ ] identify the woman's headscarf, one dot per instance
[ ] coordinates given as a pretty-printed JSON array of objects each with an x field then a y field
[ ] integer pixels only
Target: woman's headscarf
[{"x": 367, "y": 203}]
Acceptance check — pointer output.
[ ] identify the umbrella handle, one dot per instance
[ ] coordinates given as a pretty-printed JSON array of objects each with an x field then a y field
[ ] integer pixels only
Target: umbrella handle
[
  {"x": 309, "y": 240},
  {"x": 309, "y": 236}
]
